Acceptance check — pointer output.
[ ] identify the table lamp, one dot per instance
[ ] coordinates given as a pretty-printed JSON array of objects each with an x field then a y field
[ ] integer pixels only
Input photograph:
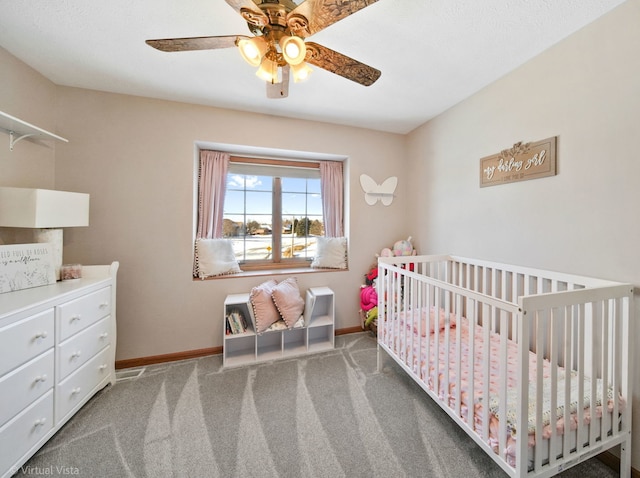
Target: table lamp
[{"x": 45, "y": 210}]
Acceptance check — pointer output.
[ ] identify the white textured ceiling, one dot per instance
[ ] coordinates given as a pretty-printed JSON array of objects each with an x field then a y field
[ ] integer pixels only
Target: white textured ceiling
[{"x": 432, "y": 53}]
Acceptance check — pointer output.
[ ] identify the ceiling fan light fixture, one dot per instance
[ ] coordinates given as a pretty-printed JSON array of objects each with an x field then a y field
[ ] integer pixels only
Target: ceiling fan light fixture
[
  {"x": 252, "y": 49},
  {"x": 268, "y": 70},
  {"x": 300, "y": 72},
  {"x": 293, "y": 49}
]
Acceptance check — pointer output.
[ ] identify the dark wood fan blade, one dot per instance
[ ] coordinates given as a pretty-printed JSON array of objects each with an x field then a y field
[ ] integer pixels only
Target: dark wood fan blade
[
  {"x": 312, "y": 16},
  {"x": 340, "y": 64},
  {"x": 279, "y": 90},
  {"x": 195, "y": 43},
  {"x": 250, "y": 12}
]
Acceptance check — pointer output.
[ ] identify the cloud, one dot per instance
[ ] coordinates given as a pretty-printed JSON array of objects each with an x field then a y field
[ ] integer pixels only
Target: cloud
[{"x": 238, "y": 181}]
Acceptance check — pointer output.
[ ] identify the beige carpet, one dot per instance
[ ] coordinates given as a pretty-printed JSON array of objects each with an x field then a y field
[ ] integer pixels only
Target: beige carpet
[{"x": 326, "y": 415}]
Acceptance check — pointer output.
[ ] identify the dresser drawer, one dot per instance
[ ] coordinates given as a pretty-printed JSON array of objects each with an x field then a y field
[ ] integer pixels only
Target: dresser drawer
[
  {"x": 25, "y": 385},
  {"x": 23, "y": 432},
  {"x": 75, "y": 351},
  {"x": 25, "y": 339},
  {"x": 78, "y": 314},
  {"x": 75, "y": 388}
]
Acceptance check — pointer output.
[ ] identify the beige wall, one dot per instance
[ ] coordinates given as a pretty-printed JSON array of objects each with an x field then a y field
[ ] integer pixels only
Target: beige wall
[
  {"x": 26, "y": 95},
  {"x": 586, "y": 92},
  {"x": 135, "y": 156}
]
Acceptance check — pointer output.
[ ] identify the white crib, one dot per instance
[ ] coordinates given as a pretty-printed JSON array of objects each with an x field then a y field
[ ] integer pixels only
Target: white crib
[{"x": 555, "y": 348}]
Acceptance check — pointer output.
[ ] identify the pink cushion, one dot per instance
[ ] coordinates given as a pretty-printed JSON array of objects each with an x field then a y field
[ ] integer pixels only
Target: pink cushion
[
  {"x": 287, "y": 298},
  {"x": 264, "y": 310}
]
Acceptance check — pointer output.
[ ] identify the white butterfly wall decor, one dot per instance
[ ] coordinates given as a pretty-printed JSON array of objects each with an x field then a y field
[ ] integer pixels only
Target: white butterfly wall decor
[{"x": 374, "y": 191}]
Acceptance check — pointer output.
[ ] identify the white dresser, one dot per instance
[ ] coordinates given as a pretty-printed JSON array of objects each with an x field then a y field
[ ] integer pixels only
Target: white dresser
[{"x": 57, "y": 349}]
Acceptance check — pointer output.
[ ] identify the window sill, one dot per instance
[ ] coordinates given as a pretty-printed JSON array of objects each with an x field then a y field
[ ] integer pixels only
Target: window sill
[{"x": 271, "y": 272}]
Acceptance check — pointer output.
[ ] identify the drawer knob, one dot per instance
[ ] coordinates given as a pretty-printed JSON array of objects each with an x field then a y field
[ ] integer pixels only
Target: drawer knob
[
  {"x": 39, "y": 422},
  {"x": 102, "y": 367},
  {"x": 74, "y": 318},
  {"x": 104, "y": 305},
  {"x": 75, "y": 391},
  {"x": 40, "y": 378},
  {"x": 41, "y": 335},
  {"x": 76, "y": 354},
  {"x": 104, "y": 335}
]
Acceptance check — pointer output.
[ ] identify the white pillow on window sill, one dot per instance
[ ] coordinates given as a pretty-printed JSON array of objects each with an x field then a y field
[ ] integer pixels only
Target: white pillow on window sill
[
  {"x": 331, "y": 253},
  {"x": 215, "y": 257}
]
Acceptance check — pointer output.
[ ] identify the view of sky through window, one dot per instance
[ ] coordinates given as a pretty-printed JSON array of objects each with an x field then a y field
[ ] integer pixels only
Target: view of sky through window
[{"x": 249, "y": 210}]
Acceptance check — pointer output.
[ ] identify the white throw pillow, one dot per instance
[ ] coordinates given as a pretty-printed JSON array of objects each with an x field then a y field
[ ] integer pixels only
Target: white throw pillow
[
  {"x": 215, "y": 257},
  {"x": 331, "y": 253}
]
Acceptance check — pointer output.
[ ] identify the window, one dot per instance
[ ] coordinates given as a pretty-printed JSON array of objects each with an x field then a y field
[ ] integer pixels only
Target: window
[{"x": 273, "y": 212}]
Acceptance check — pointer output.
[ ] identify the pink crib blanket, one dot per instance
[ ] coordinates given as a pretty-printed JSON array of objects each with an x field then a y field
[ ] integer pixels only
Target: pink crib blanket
[{"x": 410, "y": 341}]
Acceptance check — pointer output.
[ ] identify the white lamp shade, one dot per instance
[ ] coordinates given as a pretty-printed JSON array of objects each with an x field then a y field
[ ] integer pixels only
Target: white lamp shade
[
  {"x": 300, "y": 72},
  {"x": 42, "y": 208},
  {"x": 268, "y": 70},
  {"x": 294, "y": 50},
  {"x": 252, "y": 50}
]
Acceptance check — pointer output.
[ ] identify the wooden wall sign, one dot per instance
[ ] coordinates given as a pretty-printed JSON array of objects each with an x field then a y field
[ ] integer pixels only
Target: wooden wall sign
[{"x": 519, "y": 163}]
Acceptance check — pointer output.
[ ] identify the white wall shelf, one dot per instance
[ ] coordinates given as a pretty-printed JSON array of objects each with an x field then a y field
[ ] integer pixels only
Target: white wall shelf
[
  {"x": 315, "y": 335},
  {"x": 19, "y": 129}
]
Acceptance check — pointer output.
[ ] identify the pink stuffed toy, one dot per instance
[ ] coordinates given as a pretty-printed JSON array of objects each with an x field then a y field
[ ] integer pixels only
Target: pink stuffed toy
[{"x": 368, "y": 298}]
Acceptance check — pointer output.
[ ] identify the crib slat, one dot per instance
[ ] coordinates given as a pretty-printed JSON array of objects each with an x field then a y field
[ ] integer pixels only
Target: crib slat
[
  {"x": 503, "y": 381},
  {"x": 596, "y": 324},
  {"x": 540, "y": 320},
  {"x": 568, "y": 352},
  {"x": 555, "y": 320},
  {"x": 486, "y": 371},
  {"x": 581, "y": 431},
  {"x": 616, "y": 330},
  {"x": 472, "y": 312},
  {"x": 447, "y": 346},
  {"x": 604, "y": 423},
  {"x": 436, "y": 343},
  {"x": 428, "y": 354},
  {"x": 522, "y": 396}
]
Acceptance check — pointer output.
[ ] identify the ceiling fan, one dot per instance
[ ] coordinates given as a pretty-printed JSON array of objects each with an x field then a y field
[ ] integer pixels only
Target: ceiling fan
[{"x": 278, "y": 47}]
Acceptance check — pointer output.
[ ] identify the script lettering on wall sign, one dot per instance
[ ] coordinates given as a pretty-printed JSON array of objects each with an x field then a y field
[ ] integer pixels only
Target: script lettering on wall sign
[{"x": 521, "y": 162}]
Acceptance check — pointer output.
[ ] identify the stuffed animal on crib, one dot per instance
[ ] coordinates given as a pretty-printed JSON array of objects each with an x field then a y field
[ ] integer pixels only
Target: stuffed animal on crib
[
  {"x": 403, "y": 248},
  {"x": 372, "y": 275},
  {"x": 368, "y": 292},
  {"x": 372, "y": 314},
  {"x": 368, "y": 297}
]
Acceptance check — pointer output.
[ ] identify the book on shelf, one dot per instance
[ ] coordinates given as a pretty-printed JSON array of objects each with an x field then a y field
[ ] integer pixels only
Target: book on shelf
[{"x": 236, "y": 322}]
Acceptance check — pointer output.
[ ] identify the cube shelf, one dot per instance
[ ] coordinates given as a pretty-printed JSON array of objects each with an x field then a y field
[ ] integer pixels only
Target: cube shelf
[{"x": 316, "y": 335}]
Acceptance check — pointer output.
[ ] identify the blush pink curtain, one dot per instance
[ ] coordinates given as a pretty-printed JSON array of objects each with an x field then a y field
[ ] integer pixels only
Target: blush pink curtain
[
  {"x": 332, "y": 198},
  {"x": 212, "y": 181}
]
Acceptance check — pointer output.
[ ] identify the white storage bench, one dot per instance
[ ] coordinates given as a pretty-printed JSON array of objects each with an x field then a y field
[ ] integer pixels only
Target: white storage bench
[{"x": 314, "y": 333}]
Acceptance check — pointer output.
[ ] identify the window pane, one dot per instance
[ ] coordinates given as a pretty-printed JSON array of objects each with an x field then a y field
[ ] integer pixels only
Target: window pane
[
  {"x": 258, "y": 202},
  {"x": 293, "y": 185},
  {"x": 297, "y": 246},
  {"x": 301, "y": 217},
  {"x": 247, "y": 216},
  {"x": 313, "y": 186},
  {"x": 294, "y": 203},
  {"x": 234, "y": 204},
  {"x": 314, "y": 204}
]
